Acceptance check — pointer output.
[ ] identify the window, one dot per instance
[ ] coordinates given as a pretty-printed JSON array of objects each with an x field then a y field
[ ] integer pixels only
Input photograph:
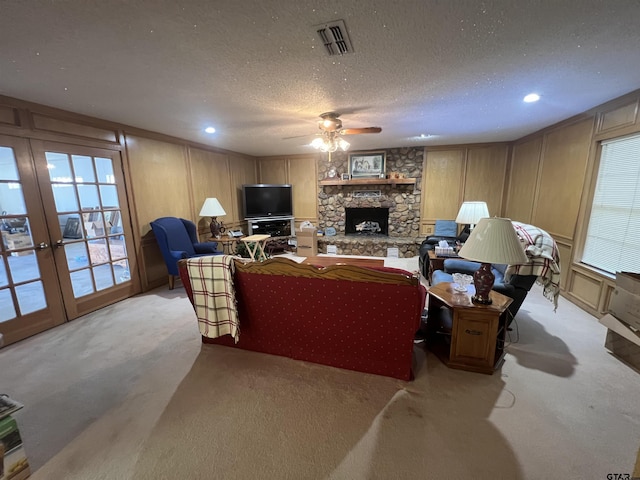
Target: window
[{"x": 613, "y": 235}]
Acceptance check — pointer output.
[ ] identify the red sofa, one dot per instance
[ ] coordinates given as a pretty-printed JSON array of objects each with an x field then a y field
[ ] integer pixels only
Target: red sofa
[{"x": 350, "y": 317}]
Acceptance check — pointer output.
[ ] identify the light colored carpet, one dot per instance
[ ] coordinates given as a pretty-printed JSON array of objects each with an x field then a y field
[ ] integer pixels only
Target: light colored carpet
[{"x": 129, "y": 392}]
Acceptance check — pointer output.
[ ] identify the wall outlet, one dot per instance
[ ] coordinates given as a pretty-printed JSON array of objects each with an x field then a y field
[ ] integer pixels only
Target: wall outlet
[
  {"x": 332, "y": 249},
  {"x": 392, "y": 252}
]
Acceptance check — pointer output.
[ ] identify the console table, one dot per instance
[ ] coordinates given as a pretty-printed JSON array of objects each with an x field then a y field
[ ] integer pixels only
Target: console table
[
  {"x": 274, "y": 226},
  {"x": 465, "y": 335}
]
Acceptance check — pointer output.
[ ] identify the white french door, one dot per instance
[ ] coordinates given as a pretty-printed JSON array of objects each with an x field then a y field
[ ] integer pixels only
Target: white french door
[{"x": 75, "y": 241}]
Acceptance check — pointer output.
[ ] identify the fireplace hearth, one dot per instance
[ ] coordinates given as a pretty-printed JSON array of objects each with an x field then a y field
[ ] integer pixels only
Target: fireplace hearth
[{"x": 368, "y": 221}]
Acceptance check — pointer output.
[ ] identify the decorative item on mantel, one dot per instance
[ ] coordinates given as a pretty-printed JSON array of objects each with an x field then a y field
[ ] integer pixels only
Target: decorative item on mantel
[
  {"x": 494, "y": 240},
  {"x": 396, "y": 175},
  {"x": 367, "y": 194},
  {"x": 367, "y": 165},
  {"x": 212, "y": 208}
]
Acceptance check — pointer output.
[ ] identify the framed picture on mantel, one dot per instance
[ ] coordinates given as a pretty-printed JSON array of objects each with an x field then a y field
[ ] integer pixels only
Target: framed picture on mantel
[{"x": 367, "y": 165}]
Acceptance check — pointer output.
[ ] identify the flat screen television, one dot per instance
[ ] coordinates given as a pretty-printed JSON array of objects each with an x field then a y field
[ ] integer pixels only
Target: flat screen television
[{"x": 263, "y": 200}]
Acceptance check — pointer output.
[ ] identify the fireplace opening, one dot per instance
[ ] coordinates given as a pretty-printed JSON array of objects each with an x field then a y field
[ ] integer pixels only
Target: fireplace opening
[{"x": 368, "y": 221}]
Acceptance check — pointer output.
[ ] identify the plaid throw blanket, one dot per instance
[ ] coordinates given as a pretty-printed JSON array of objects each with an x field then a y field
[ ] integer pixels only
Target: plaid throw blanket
[
  {"x": 544, "y": 260},
  {"x": 214, "y": 298}
]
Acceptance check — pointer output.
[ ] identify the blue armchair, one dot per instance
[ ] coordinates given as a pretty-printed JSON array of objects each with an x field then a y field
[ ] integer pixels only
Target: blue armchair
[{"x": 177, "y": 239}]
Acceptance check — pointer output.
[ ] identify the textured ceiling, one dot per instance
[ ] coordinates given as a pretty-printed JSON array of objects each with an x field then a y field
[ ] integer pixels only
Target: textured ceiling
[{"x": 256, "y": 70}]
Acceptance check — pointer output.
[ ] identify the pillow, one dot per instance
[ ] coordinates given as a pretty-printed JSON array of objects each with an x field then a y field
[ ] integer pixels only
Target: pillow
[{"x": 446, "y": 228}]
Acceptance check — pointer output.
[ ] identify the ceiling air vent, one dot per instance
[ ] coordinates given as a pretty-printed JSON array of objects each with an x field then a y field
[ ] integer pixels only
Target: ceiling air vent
[{"x": 334, "y": 37}]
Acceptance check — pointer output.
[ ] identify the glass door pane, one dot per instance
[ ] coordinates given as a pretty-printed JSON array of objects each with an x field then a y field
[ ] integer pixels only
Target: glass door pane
[
  {"x": 29, "y": 295},
  {"x": 91, "y": 231},
  {"x": 20, "y": 266},
  {"x": 87, "y": 202}
]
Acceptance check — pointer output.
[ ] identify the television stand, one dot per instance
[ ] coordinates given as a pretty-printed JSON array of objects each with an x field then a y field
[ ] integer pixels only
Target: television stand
[{"x": 274, "y": 226}]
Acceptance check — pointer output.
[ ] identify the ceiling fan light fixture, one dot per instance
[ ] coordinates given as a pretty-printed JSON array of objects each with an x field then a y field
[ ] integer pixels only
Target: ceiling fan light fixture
[
  {"x": 330, "y": 143},
  {"x": 317, "y": 143},
  {"x": 331, "y": 139},
  {"x": 324, "y": 144}
]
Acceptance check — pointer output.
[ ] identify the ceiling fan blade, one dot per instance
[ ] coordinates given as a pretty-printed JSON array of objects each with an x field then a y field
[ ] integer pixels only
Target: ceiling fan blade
[{"x": 356, "y": 131}]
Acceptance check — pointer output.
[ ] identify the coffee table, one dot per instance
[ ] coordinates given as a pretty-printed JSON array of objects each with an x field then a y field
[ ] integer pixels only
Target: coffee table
[{"x": 335, "y": 260}]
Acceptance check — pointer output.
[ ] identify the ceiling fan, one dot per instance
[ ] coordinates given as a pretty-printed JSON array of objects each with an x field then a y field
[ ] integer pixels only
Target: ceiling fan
[
  {"x": 331, "y": 137},
  {"x": 331, "y": 123}
]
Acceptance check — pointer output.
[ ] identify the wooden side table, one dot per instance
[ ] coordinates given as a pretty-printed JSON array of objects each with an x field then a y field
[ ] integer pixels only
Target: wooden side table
[
  {"x": 257, "y": 242},
  {"x": 227, "y": 243},
  {"x": 465, "y": 335}
]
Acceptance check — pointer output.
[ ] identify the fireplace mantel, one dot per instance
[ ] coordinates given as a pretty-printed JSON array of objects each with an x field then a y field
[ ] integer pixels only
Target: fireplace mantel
[{"x": 369, "y": 181}]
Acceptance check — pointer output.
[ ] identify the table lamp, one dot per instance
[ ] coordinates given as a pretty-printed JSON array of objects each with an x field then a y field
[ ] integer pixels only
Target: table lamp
[
  {"x": 494, "y": 240},
  {"x": 212, "y": 208},
  {"x": 471, "y": 212}
]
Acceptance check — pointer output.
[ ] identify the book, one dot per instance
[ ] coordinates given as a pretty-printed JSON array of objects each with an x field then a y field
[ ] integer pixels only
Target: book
[{"x": 8, "y": 405}]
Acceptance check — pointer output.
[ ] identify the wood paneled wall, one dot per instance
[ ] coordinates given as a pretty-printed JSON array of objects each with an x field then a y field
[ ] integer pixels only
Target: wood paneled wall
[
  {"x": 301, "y": 171},
  {"x": 173, "y": 179},
  {"x": 551, "y": 184},
  {"x": 165, "y": 176},
  {"x": 453, "y": 175},
  {"x": 243, "y": 171},
  {"x": 210, "y": 174},
  {"x": 442, "y": 186},
  {"x": 546, "y": 182},
  {"x": 523, "y": 180},
  {"x": 159, "y": 179},
  {"x": 565, "y": 153}
]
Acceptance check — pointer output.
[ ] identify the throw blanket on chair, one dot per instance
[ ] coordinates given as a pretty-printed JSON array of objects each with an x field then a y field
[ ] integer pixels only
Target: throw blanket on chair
[
  {"x": 214, "y": 298},
  {"x": 544, "y": 260}
]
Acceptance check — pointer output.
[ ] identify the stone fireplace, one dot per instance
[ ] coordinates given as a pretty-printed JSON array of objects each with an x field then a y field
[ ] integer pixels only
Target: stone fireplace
[
  {"x": 399, "y": 203},
  {"x": 366, "y": 221}
]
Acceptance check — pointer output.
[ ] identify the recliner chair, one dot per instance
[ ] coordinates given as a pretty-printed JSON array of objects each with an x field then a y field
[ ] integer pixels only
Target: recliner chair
[
  {"x": 444, "y": 230},
  {"x": 177, "y": 239},
  {"x": 516, "y": 288}
]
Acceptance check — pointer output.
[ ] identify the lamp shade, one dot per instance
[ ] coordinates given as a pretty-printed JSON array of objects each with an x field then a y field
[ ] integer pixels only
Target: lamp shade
[
  {"x": 494, "y": 240},
  {"x": 212, "y": 208},
  {"x": 472, "y": 212}
]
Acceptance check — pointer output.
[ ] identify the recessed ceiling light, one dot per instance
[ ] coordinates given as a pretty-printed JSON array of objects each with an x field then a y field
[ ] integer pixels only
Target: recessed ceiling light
[
  {"x": 532, "y": 97},
  {"x": 210, "y": 130}
]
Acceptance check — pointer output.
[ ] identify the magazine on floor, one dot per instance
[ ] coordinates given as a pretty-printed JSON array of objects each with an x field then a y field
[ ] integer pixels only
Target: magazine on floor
[{"x": 8, "y": 405}]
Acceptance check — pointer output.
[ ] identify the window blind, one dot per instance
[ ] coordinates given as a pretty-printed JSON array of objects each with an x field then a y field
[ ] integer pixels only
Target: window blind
[{"x": 613, "y": 235}]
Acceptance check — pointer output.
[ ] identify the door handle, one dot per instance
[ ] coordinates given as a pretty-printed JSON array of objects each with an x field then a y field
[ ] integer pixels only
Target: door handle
[
  {"x": 58, "y": 244},
  {"x": 42, "y": 246}
]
